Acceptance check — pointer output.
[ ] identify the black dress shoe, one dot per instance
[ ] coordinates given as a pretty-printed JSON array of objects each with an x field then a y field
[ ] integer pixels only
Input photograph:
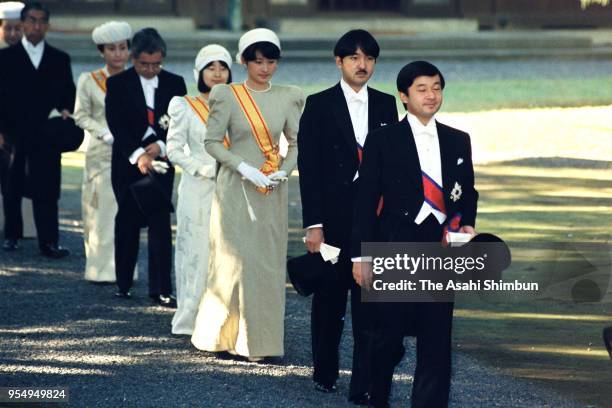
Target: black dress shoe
[
  {"x": 123, "y": 295},
  {"x": 10, "y": 244},
  {"x": 54, "y": 251},
  {"x": 165, "y": 300},
  {"x": 326, "y": 388},
  {"x": 360, "y": 399}
]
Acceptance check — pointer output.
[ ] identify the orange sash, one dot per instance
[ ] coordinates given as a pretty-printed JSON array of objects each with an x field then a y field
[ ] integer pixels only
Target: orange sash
[
  {"x": 200, "y": 107},
  {"x": 99, "y": 78},
  {"x": 260, "y": 130}
]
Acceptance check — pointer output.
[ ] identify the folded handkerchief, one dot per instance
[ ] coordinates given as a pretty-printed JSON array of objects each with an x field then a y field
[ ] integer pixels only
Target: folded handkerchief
[
  {"x": 54, "y": 114},
  {"x": 457, "y": 239},
  {"x": 330, "y": 253}
]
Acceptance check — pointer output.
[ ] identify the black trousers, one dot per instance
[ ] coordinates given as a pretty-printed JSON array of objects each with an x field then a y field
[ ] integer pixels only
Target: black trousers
[
  {"x": 432, "y": 325},
  {"x": 128, "y": 221},
  {"x": 327, "y": 323},
  {"x": 45, "y": 211}
]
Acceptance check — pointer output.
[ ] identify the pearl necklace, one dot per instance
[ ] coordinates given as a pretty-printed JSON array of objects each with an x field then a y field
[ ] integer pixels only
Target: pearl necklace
[{"x": 254, "y": 90}]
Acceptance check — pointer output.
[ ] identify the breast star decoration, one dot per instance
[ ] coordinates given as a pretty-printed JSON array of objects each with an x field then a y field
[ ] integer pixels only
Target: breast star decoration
[
  {"x": 164, "y": 122},
  {"x": 455, "y": 194}
]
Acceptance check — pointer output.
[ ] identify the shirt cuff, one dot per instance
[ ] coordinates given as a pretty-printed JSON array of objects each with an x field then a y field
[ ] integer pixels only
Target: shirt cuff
[
  {"x": 362, "y": 259},
  {"x": 137, "y": 153},
  {"x": 315, "y": 226},
  {"x": 162, "y": 147}
]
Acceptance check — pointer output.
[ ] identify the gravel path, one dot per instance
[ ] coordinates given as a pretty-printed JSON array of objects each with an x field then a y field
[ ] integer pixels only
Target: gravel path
[{"x": 58, "y": 330}]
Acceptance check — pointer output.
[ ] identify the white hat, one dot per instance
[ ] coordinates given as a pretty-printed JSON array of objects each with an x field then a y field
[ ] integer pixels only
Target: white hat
[
  {"x": 111, "y": 32},
  {"x": 11, "y": 10},
  {"x": 208, "y": 54},
  {"x": 253, "y": 36}
]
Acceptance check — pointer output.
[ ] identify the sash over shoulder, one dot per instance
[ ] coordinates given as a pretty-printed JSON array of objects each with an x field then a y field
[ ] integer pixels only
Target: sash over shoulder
[
  {"x": 201, "y": 109},
  {"x": 99, "y": 77},
  {"x": 260, "y": 131}
]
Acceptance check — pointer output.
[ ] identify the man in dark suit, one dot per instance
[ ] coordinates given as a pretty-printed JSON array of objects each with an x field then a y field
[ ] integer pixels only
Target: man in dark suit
[
  {"x": 35, "y": 79},
  {"x": 423, "y": 170},
  {"x": 333, "y": 129},
  {"x": 136, "y": 105}
]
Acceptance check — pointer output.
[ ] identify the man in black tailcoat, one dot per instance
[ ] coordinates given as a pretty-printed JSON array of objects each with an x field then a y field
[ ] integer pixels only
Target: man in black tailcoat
[
  {"x": 333, "y": 130},
  {"x": 136, "y": 111},
  {"x": 423, "y": 170},
  {"x": 35, "y": 80}
]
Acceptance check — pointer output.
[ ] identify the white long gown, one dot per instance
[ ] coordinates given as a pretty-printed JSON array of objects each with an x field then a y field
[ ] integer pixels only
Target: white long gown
[
  {"x": 185, "y": 146},
  {"x": 98, "y": 200}
]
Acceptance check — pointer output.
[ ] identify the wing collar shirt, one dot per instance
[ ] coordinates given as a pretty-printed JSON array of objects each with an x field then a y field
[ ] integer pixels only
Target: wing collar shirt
[
  {"x": 35, "y": 52},
  {"x": 428, "y": 149},
  {"x": 358, "y": 109},
  {"x": 148, "y": 87}
]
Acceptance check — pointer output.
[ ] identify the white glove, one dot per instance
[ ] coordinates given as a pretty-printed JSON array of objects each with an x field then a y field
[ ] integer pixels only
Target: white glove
[
  {"x": 107, "y": 138},
  {"x": 254, "y": 175},
  {"x": 206, "y": 172},
  {"x": 280, "y": 175},
  {"x": 160, "y": 166}
]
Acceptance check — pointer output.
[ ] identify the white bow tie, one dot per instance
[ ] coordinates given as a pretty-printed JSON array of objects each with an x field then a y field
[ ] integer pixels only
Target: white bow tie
[
  {"x": 361, "y": 98},
  {"x": 429, "y": 133}
]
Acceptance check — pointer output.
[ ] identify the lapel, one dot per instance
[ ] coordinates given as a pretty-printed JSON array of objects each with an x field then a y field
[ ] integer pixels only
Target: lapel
[
  {"x": 408, "y": 145},
  {"x": 136, "y": 92},
  {"x": 343, "y": 118},
  {"x": 159, "y": 94},
  {"x": 446, "y": 160},
  {"x": 46, "y": 63},
  {"x": 372, "y": 114},
  {"x": 26, "y": 61}
]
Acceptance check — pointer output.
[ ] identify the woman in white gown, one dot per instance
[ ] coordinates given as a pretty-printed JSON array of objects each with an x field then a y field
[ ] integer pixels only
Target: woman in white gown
[
  {"x": 98, "y": 201},
  {"x": 185, "y": 144}
]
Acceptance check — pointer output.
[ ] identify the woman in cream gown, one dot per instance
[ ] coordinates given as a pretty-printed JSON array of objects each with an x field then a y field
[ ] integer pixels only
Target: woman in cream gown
[
  {"x": 98, "y": 201},
  {"x": 242, "y": 310},
  {"x": 185, "y": 144}
]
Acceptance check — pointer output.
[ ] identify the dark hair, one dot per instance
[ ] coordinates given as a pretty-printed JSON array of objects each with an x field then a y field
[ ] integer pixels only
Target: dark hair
[
  {"x": 415, "y": 69},
  {"x": 34, "y": 6},
  {"x": 202, "y": 87},
  {"x": 267, "y": 49},
  {"x": 350, "y": 42},
  {"x": 100, "y": 47},
  {"x": 148, "y": 40}
]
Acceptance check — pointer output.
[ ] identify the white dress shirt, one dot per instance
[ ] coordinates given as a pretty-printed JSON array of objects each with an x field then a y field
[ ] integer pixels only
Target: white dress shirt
[
  {"x": 358, "y": 109},
  {"x": 428, "y": 149},
  {"x": 35, "y": 52},
  {"x": 148, "y": 87}
]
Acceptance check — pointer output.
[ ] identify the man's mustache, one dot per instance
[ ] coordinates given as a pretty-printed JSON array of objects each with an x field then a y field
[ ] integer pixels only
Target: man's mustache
[{"x": 362, "y": 72}]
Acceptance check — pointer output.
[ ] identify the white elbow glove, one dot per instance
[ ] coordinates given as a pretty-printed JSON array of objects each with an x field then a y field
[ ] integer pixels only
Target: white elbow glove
[
  {"x": 107, "y": 138},
  {"x": 254, "y": 175},
  {"x": 160, "y": 166},
  {"x": 206, "y": 172}
]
